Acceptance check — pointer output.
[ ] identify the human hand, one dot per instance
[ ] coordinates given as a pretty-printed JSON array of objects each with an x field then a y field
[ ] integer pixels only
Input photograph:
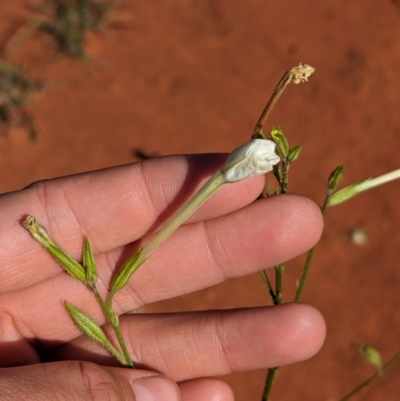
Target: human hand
[{"x": 229, "y": 236}]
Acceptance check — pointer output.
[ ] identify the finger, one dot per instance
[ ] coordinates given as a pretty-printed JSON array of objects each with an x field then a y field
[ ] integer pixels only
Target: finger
[
  {"x": 205, "y": 389},
  {"x": 192, "y": 345},
  {"x": 84, "y": 381},
  {"x": 113, "y": 207},
  {"x": 197, "y": 256}
]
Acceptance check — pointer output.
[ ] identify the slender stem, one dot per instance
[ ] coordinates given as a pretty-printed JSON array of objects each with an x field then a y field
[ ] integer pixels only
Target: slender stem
[
  {"x": 284, "y": 182},
  {"x": 113, "y": 319},
  {"x": 269, "y": 380},
  {"x": 278, "y": 283},
  {"x": 304, "y": 275},
  {"x": 121, "y": 341},
  {"x": 298, "y": 74},
  {"x": 395, "y": 359},
  {"x": 267, "y": 283},
  {"x": 310, "y": 257},
  {"x": 204, "y": 193},
  {"x": 280, "y": 87}
]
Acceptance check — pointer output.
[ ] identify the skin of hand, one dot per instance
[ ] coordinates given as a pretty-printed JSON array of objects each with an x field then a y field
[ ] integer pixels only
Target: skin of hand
[{"x": 44, "y": 356}]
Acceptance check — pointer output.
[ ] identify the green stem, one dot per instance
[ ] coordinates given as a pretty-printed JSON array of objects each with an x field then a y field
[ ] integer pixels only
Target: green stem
[
  {"x": 267, "y": 283},
  {"x": 269, "y": 380},
  {"x": 278, "y": 283},
  {"x": 113, "y": 319},
  {"x": 304, "y": 275},
  {"x": 310, "y": 256},
  {"x": 395, "y": 359}
]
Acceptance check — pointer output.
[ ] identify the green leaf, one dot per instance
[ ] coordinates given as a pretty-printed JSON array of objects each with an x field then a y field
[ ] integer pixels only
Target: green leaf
[
  {"x": 294, "y": 153},
  {"x": 89, "y": 263},
  {"x": 92, "y": 330},
  {"x": 125, "y": 272}
]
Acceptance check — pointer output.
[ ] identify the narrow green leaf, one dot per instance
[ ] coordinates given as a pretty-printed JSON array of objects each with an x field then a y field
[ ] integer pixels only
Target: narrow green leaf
[
  {"x": 89, "y": 263},
  {"x": 294, "y": 153},
  {"x": 125, "y": 272},
  {"x": 92, "y": 330}
]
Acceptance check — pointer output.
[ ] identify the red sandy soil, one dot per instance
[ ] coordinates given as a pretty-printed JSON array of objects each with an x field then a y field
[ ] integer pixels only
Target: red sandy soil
[{"x": 193, "y": 76}]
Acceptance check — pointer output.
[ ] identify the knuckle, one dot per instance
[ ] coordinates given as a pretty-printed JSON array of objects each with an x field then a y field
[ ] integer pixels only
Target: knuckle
[{"x": 100, "y": 384}]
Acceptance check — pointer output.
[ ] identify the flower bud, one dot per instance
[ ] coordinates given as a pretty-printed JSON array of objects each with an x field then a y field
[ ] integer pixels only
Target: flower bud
[
  {"x": 253, "y": 158},
  {"x": 282, "y": 144},
  {"x": 40, "y": 234},
  {"x": 372, "y": 356},
  {"x": 335, "y": 177}
]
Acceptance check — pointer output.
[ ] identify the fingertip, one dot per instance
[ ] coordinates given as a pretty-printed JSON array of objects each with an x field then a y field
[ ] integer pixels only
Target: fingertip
[
  {"x": 206, "y": 389},
  {"x": 304, "y": 214},
  {"x": 308, "y": 330}
]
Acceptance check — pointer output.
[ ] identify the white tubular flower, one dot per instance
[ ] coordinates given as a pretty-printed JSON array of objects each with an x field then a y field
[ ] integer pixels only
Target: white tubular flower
[{"x": 253, "y": 158}]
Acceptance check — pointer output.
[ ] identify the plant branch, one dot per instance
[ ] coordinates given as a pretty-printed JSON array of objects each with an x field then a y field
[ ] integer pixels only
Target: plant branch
[
  {"x": 114, "y": 321},
  {"x": 310, "y": 256}
]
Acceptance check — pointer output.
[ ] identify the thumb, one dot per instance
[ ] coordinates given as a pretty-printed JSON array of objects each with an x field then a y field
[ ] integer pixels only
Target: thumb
[{"x": 75, "y": 380}]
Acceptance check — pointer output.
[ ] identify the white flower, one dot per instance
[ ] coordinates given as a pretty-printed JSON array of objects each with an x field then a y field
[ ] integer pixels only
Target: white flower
[{"x": 253, "y": 158}]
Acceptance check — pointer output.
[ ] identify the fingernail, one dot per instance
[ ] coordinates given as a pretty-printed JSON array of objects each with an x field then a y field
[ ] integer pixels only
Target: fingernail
[{"x": 155, "y": 389}]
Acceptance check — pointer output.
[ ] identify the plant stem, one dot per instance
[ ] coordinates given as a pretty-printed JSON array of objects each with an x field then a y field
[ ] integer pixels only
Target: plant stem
[
  {"x": 267, "y": 283},
  {"x": 278, "y": 283},
  {"x": 395, "y": 359},
  {"x": 310, "y": 256},
  {"x": 113, "y": 319},
  {"x": 269, "y": 380},
  {"x": 296, "y": 74},
  {"x": 304, "y": 275}
]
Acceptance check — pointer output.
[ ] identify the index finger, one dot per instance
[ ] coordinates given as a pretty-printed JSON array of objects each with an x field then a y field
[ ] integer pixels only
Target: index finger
[{"x": 113, "y": 207}]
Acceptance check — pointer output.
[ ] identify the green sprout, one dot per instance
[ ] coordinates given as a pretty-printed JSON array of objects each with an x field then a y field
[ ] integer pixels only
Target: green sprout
[{"x": 69, "y": 21}]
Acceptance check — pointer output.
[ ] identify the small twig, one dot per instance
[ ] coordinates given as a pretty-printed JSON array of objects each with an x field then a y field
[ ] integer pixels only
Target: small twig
[{"x": 296, "y": 74}]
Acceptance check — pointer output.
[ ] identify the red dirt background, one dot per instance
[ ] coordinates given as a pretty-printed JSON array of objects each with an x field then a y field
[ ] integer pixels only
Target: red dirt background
[{"x": 192, "y": 76}]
